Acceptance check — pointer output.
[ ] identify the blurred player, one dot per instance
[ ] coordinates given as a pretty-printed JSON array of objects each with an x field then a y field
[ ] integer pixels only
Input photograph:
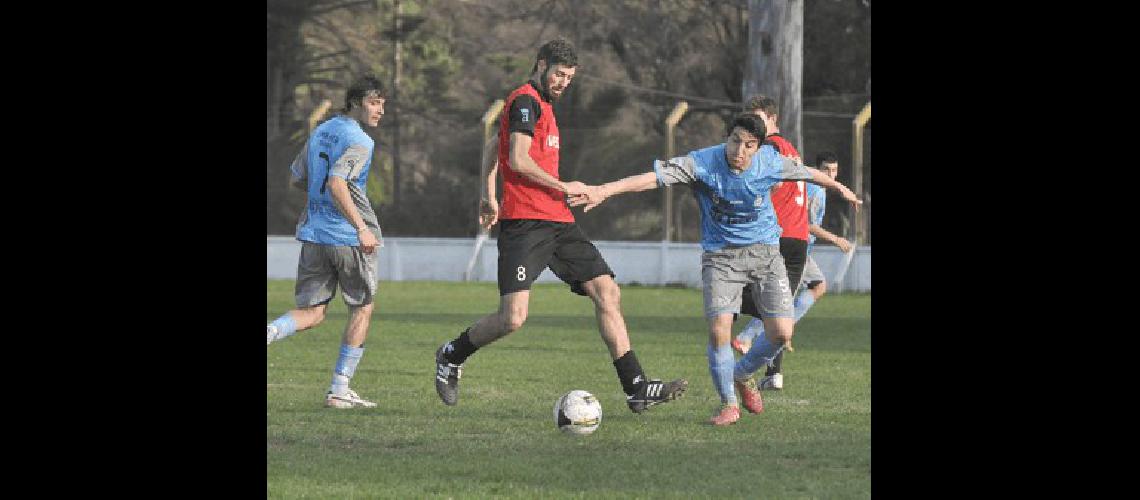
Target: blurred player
[
  {"x": 339, "y": 233},
  {"x": 813, "y": 278}
]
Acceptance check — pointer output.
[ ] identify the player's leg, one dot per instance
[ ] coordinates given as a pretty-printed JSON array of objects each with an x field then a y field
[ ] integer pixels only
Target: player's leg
[
  {"x": 315, "y": 287},
  {"x": 357, "y": 276},
  {"x": 743, "y": 340},
  {"x": 525, "y": 247},
  {"x": 774, "y": 297},
  {"x": 578, "y": 262},
  {"x": 794, "y": 253},
  {"x": 723, "y": 282}
]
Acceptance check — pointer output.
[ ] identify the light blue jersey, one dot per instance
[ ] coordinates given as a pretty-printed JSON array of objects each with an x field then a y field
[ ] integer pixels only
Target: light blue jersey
[
  {"x": 337, "y": 148},
  {"x": 736, "y": 209},
  {"x": 817, "y": 204}
]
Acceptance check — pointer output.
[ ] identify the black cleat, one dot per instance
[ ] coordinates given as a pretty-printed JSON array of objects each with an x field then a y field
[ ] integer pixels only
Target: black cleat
[
  {"x": 655, "y": 392},
  {"x": 447, "y": 378}
]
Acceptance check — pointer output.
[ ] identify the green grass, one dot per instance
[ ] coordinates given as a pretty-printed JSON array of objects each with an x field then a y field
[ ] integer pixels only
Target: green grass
[{"x": 813, "y": 439}]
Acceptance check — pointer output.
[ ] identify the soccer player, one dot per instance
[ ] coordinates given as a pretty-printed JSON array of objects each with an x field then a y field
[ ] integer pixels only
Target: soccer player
[
  {"x": 538, "y": 231},
  {"x": 788, "y": 201},
  {"x": 813, "y": 278},
  {"x": 740, "y": 239},
  {"x": 339, "y": 233}
]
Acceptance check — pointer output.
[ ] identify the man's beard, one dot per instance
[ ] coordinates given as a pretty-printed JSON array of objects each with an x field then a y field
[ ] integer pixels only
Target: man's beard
[{"x": 546, "y": 86}]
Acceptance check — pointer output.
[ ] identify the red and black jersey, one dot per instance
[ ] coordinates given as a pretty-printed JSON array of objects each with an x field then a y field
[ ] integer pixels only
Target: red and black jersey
[
  {"x": 530, "y": 113},
  {"x": 789, "y": 199}
]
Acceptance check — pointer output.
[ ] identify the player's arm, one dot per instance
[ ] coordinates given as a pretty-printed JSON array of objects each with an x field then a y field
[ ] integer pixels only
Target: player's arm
[
  {"x": 349, "y": 165},
  {"x": 524, "y": 165},
  {"x": 522, "y": 117},
  {"x": 299, "y": 169},
  {"x": 826, "y": 181},
  {"x": 792, "y": 168},
  {"x": 488, "y": 168},
  {"x": 676, "y": 171},
  {"x": 838, "y": 241}
]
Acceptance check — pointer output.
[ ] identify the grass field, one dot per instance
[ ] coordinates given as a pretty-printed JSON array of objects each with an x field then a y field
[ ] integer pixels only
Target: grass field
[{"x": 813, "y": 439}]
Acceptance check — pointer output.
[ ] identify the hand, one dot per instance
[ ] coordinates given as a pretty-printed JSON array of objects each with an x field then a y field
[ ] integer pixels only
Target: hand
[
  {"x": 368, "y": 241},
  {"x": 574, "y": 188},
  {"x": 850, "y": 196},
  {"x": 488, "y": 213},
  {"x": 593, "y": 197},
  {"x": 843, "y": 244}
]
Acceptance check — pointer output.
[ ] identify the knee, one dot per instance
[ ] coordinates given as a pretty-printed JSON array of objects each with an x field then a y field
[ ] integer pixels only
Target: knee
[
  {"x": 607, "y": 296},
  {"x": 820, "y": 289},
  {"x": 512, "y": 320},
  {"x": 363, "y": 312},
  {"x": 781, "y": 335},
  {"x": 314, "y": 315}
]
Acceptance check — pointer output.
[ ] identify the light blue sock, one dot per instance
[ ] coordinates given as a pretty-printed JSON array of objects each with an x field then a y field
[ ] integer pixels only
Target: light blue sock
[
  {"x": 761, "y": 354},
  {"x": 804, "y": 301},
  {"x": 285, "y": 326},
  {"x": 345, "y": 367},
  {"x": 753, "y": 328},
  {"x": 720, "y": 367}
]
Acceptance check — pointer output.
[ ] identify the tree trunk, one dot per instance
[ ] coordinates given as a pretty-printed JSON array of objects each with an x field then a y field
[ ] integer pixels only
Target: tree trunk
[{"x": 775, "y": 60}]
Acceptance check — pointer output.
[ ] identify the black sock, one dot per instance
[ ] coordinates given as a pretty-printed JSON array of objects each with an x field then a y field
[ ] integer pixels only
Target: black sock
[
  {"x": 460, "y": 349},
  {"x": 776, "y": 364},
  {"x": 629, "y": 371}
]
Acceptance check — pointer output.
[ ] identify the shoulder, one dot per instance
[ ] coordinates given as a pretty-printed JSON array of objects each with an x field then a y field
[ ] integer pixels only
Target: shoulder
[
  {"x": 524, "y": 100},
  {"x": 708, "y": 158}
]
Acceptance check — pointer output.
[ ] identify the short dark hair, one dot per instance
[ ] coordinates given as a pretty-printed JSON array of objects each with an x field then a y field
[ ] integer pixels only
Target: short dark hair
[
  {"x": 763, "y": 103},
  {"x": 557, "y": 51},
  {"x": 364, "y": 86},
  {"x": 825, "y": 157},
  {"x": 750, "y": 122}
]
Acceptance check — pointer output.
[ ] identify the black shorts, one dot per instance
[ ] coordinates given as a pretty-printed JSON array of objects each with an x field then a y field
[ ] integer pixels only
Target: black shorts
[
  {"x": 794, "y": 252},
  {"x": 527, "y": 247}
]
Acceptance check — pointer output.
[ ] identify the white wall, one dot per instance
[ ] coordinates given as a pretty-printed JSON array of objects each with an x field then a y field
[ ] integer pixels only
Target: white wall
[{"x": 649, "y": 263}]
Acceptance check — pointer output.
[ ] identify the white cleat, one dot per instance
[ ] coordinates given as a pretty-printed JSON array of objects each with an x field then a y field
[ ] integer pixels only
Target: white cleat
[
  {"x": 773, "y": 382},
  {"x": 350, "y": 399},
  {"x": 270, "y": 334}
]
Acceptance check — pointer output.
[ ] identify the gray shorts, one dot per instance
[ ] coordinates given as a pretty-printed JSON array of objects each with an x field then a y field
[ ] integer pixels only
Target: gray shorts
[
  {"x": 726, "y": 271},
  {"x": 811, "y": 272},
  {"x": 322, "y": 267}
]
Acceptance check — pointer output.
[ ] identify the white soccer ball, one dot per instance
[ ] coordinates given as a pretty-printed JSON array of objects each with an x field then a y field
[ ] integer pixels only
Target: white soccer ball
[{"x": 578, "y": 412}]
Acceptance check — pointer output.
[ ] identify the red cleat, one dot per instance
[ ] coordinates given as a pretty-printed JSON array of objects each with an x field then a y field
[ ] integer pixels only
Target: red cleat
[
  {"x": 728, "y": 415},
  {"x": 750, "y": 394}
]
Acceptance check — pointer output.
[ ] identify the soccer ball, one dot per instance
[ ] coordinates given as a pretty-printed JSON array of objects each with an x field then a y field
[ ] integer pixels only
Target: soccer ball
[{"x": 578, "y": 412}]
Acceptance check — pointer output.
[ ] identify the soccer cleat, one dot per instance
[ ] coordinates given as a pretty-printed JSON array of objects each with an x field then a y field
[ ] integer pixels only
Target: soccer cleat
[
  {"x": 655, "y": 392},
  {"x": 350, "y": 399},
  {"x": 447, "y": 377},
  {"x": 750, "y": 394},
  {"x": 773, "y": 382},
  {"x": 270, "y": 334},
  {"x": 728, "y": 415},
  {"x": 740, "y": 346}
]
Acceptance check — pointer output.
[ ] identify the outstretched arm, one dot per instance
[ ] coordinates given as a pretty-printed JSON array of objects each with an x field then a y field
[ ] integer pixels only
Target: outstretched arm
[
  {"x": 597, "y": 194},
  {"x": 826, "y": 181},
  {"x": 679, "y": 170}
]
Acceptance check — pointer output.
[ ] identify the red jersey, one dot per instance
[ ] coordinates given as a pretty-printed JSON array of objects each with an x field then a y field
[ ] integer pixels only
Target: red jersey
[
  {"x": 522, "y": 198},
  {"x": 789, "y": 199}
]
